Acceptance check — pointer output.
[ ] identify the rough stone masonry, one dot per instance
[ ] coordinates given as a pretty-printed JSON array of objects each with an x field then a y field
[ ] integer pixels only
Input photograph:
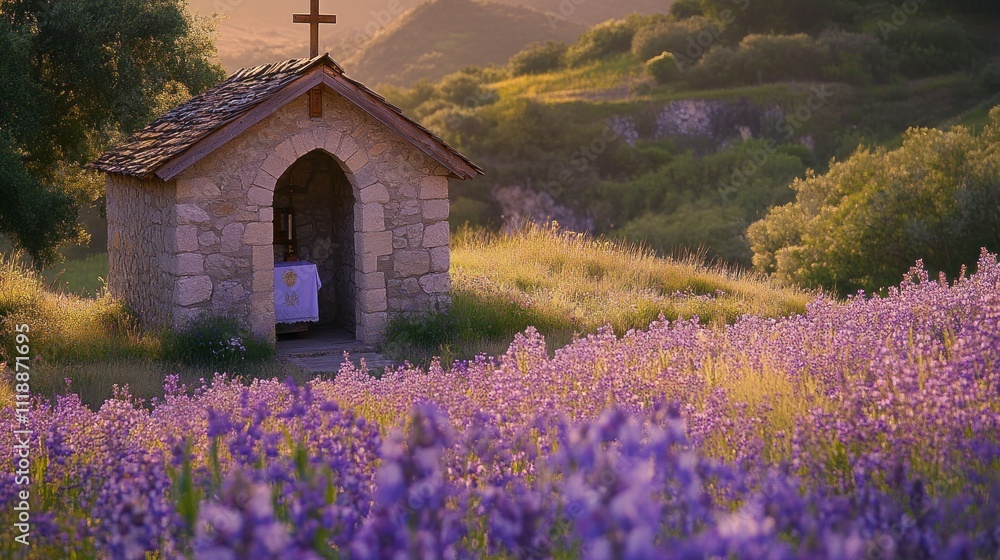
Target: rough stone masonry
[{"x": 202, "y": 242}]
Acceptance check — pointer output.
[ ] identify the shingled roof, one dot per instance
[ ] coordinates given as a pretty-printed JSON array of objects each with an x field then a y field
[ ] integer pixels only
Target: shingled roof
[{"x": 160, "y": 149}]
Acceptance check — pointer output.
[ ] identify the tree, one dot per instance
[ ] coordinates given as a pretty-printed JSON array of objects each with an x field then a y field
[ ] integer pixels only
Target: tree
[
  {"x": 78, "y": 76},
  {"x": 683, "y": 9},
  {"x": 871, "y": 217},
  {"x": 539, "y": 58},
  {"x": 743, "y": 17},
  {"x": 663, "y": 68}
]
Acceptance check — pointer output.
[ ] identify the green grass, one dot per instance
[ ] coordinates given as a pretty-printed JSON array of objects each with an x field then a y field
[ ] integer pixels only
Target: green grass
[
  {"x": 621, "y": 81},
  {"x": 975, "y": 118},
  {"x": 567, "y": 285},
  {"x": 84, "y": 277},
  {"x": 593, "y": 79}
]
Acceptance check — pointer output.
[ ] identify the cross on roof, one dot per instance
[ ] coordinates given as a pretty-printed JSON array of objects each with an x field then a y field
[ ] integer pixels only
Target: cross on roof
[{"x": 313, "y": 18}]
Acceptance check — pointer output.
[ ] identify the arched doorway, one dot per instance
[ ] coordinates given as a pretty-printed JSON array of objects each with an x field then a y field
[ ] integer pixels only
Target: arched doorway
[{"x": 320, "y": 198}]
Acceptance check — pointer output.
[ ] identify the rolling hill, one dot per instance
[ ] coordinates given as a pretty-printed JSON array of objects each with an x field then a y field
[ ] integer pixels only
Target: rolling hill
[
  {"x": 253, "y": 32},
  {"x": 443, "y": 36},
  {"x": 592, "y": 12}
]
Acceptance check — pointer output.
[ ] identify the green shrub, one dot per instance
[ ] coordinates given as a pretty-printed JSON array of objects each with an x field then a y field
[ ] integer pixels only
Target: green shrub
[
  {"x": 863, "y": 224},
  {"x": 762, "y": 58},
  {"x": 703, "y": 202},
  {"x": 776, "y": 58},
  {"x": 610, "y": 37},
  {"x": 684, "y": 9},
  {"x": 929, "y": 48},
  {"x": 215, "y": 341},
  {"x": 687, "y": 38},
  {"x": 745, "y": 17},
  {"x": 663, "y": 68},
  {"x": 720, "y": 67},
  {"x": 856, "y": 58},
  {"x": 471, "y": 211},
  {"x": 464, "y": 90},
  {"x": 989, "y": 76},
  {"x": 539, "y": 58}
]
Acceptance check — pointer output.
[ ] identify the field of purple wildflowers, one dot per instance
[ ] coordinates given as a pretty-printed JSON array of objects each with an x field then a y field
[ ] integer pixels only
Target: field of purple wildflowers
[{"x": 863, "y": 429}]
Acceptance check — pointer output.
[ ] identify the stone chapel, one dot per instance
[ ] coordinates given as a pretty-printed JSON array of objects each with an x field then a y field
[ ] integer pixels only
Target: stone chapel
[{"x": 287, "y": 158}]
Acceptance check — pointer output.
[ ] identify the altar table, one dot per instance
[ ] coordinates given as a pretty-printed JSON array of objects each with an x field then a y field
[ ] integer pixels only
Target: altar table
[{"x": 296, "y": 292}]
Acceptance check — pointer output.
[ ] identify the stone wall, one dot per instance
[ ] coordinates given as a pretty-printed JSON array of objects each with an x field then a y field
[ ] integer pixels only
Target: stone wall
[
  {"x": 225, "y": 204},
  {"x": 141, "y": 247},
  {"x": 214, "y": 270}
]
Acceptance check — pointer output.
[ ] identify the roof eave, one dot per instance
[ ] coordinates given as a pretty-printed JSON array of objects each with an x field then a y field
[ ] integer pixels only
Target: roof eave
[{"x": 324, "y": 70}]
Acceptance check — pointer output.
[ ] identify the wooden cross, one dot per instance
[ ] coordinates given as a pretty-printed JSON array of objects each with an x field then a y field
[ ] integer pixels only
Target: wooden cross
[{"x": 313, "y": 18}]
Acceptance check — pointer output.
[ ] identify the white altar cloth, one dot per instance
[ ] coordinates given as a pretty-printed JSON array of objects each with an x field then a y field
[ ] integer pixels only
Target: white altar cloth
[{"x": 296, "y": 292}]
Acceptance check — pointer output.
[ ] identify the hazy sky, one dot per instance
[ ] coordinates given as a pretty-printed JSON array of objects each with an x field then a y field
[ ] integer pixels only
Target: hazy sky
[{"x": 261, "y": 31}]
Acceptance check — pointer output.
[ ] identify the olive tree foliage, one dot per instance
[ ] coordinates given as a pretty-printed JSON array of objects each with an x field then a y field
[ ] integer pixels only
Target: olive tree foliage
[
  {"x": 79, "y": 75},
  {"x": 862, "y": 225}
]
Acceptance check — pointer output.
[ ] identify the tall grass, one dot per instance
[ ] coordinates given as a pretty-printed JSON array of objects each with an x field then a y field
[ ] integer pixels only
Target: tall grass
[
  {"x": 63, "y": 326},
  {"x": 96, "y": 344},
  {"x": 566, "y": 284}
]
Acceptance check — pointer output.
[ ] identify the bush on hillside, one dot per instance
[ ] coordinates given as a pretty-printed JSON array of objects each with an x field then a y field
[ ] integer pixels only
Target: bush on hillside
[
  {"x": 864, "y": 223},
  {"x": 686, "y": 37},
  {"x": 610, "y": 37},
  {"x": 929, "y": 48},
  {"x": 860, "y": 49},
  {"x": 775, "y": 58},
  {"x": 664, "y": 68},
  {"x": 720, "y": 67},
  {"x": 836, "y": 56},
  {"x": 988, "y": 76},
  {"x": 409, "y": 99},
  {"x": 539, "y": 58},
  {"x": 465, "y": 90},
  {"x": 856, "y": 58},
  {"x": 701, "y": 228},
  {"x": 772, "y": 16},
  {"x": 684, "y": 9}
]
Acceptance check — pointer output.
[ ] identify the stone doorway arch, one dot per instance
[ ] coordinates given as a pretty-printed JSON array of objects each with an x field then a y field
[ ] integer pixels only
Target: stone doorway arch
[
  {"x": 371, "y": 239},
  {"x": 319, "y": 195}
]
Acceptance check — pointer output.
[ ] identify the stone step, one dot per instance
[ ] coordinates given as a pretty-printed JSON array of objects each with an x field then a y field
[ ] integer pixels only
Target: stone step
[{"x": 322, "y": 351}]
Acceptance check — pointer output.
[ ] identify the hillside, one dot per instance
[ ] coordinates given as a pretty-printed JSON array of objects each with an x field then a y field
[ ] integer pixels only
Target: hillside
[
  {"x": 253, "y": 32},
  {"x": 592, "y": 12},
  {"x": 443, "y": 36},
  {"x": 588, "y": 136}
]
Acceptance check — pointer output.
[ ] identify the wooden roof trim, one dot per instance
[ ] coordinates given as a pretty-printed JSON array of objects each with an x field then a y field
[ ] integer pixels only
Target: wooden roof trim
[
  {"x": 234, "y": 128},
  {"x": 396, "y": 122}
]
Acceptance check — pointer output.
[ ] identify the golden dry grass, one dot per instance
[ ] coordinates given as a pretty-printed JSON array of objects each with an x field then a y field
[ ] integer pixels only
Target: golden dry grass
[
  {"x": 93, "y": 342},
  {"x": 567, "y": 284}
]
